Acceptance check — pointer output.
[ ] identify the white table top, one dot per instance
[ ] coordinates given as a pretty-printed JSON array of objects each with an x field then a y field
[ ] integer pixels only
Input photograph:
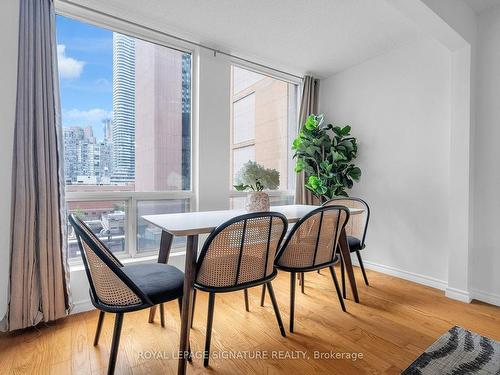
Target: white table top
[{"x": 191, "y": 223}]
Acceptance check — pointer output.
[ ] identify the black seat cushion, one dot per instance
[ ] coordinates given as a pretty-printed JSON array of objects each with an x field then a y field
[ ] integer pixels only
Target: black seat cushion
[
  {"x": 160, "y": 282},
  {"x": 354, "y": 243}
]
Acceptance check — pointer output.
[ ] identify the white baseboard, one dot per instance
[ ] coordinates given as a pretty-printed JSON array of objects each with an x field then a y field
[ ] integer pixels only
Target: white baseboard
[
  {"x": 458, "y": 294},
  {"x": 453, "y": 293},
  {"x": 82, "y": 306},
  {"x": 491, "y": 298},
  {"x": 411, "y": 276}
]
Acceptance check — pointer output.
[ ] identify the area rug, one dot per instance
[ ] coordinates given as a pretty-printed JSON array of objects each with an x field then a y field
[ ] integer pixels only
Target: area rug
[{"x": 458, "y": 352}]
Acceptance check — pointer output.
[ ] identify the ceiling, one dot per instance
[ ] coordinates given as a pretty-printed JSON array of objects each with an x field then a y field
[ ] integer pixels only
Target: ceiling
[
  {"x": 307, "y": 36},
  {"x": 480, "y": 6}
]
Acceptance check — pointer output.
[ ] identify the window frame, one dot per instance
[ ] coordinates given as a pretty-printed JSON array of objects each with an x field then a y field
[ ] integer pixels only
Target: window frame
[
  {"x": 292, "y": 129},
  {"x": 132, "y": 197}
]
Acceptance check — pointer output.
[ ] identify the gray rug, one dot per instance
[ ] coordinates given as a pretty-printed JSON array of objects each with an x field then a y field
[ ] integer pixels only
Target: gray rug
[{"x": 458, "y": 352}]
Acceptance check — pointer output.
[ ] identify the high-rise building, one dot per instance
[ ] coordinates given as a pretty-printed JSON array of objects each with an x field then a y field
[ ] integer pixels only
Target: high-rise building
[
  {"x": 186, "y": 121},
  {"x": 89, "y": 134},
  {"x": 74, "y": 136},
  {"x": 123, "y": 130},
  {"x": 86, "y": 160},
  {"x": 100, "y": 164},
  {"x": 163, "y": 101},
  {"x": 107, "y": 127}
]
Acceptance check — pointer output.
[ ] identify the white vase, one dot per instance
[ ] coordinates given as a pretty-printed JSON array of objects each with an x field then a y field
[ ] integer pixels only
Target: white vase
[{"x": 257, "y": 201}]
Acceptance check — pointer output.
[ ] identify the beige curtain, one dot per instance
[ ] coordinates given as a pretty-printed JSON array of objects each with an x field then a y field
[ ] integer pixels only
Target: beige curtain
[
  {"x": 38, "y": 287},
  {"x": 308, "y": 105}
]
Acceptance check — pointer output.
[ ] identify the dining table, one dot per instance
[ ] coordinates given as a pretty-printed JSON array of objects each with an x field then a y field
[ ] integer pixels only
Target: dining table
[{"x": 191, "y": 225}]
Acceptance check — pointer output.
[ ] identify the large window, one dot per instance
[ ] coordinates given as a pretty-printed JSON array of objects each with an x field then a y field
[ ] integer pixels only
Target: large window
[
  {"x": 126, "y": 113},
  {"x": 263, "y": 121}
]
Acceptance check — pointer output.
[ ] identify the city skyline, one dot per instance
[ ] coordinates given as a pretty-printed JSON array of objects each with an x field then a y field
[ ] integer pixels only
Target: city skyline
[
  {"x": 85, "y": 74},
  {"x": 101, "y": 146}
]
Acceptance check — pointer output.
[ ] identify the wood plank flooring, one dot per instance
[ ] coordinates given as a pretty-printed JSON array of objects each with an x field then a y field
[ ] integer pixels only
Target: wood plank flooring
[{"x": 395, "y": 321}]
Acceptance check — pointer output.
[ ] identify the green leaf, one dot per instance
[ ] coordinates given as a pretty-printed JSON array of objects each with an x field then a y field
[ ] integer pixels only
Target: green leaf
[
  {"x": 339, "y": 156},
  {"x": 314, "y": 181},
  {"x": 241, "y": 187},
  {"x": 299, "y": 166},
  {"x": 338, "y": 131},
  {"x": 354, "y": 173},
  {"x": 346, "y": 130},
  {"x": 311, "y": 122},
  {"x": 297, "y": 142}
]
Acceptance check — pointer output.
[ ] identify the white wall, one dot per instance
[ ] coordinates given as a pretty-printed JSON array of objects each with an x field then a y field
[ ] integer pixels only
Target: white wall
[
  {"x": 399, "y": 107},
  {"x": 485, "y": 260},
  {"x": 8, "y": 74}
]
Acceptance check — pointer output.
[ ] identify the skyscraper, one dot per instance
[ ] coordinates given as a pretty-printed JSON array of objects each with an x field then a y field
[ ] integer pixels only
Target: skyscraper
[
  {"x": 123, "y": 133},
  {"x": 107, "y": 127},
  {"x": 186, "y": 121},
  {"x": 85, "y": 157},
  {"x": 74, "y": 144},
  {"x": 163, "y": 88}
]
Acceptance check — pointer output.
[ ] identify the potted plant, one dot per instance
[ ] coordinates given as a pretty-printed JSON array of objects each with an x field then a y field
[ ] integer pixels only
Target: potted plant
[
  {"x": 254, "y": 178},
  {"x": 325, "y": 153}
]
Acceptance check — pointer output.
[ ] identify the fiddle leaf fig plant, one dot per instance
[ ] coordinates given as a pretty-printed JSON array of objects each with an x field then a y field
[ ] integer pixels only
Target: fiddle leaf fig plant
[{"x": 326, "y": 153}]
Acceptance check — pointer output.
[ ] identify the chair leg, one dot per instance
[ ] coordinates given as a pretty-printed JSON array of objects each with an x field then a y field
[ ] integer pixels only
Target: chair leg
[
  {"x": 337, "y": 288},
  {"x": 245, "y": 292},
  {"x": 342, "y": 271},
  {"x": 152, "y": 312},
  {"x": 192, "y": 311},
  {"x": 276, "y": 308},
  {"x": 208, "y": 338},
  {"x": 179, "y": 301},
  {"x": 99, "y": 328},
  {"x": 319, "y": 271},
  {"x": 302, "y": 284},
  {"x": 263, "y": 295},
  {"x": 162, "y": 315},
  {"x": 292, "y": 299},
  {"x": 115, "y": 343},
  {"x": 362, "y": 267}
]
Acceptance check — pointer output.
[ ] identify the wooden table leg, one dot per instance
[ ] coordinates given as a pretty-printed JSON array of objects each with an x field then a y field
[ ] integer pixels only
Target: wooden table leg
[
  {"x": 187, "y": 300},
  {"x": 165, "y": 246},
  {"x": 346, "y": 258},
  {"x": 163, "y": 255}
]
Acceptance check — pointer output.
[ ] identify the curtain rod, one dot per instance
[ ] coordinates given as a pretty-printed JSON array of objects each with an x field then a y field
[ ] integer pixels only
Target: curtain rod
[{"x": 184, "y": 40}]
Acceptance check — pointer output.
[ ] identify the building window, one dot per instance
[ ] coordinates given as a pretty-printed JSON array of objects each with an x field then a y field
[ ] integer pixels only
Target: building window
[
  {"x": 263, "y": 122},
  {"x": 126, "y": 113}
]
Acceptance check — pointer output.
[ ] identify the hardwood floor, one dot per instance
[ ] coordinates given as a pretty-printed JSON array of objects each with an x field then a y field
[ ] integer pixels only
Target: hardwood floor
[{"x": 395, "y": 321}]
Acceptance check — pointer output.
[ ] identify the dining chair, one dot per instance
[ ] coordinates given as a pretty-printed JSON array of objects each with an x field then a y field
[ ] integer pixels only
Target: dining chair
[
  {"x": 119, "y": 289},
  {"x": 312, "y": 245},
  {"x": 355, "y": 231},
  {"x": 238, "y": 255}
]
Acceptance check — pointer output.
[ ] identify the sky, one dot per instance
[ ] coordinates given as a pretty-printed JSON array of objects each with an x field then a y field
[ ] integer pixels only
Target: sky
[{"x": 85, "y": 61}]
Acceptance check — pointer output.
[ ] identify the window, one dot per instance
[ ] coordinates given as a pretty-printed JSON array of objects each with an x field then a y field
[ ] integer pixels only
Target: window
[
  {"x": 106, "y": 219},
  {"x": 148, "y": 235},
  {"x": 263, "y": 122},
  {"x": 125, "y": 103}
]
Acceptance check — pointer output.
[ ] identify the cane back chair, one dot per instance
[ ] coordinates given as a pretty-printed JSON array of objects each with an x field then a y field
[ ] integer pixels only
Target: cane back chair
[
  {"x": 237, "y": 255},
  {"x": 312, "y": 245},
  {"x": 119, "y": 289},
  {"x": 355, "y": 230}
]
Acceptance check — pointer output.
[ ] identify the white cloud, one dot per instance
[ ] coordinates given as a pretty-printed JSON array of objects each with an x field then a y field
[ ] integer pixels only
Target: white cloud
[
  {"x": 69, "y": 68},
  {"x": 90, "y": 117}
]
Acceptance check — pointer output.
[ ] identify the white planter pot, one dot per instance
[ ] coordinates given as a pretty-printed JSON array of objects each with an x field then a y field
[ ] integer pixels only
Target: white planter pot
[{"x": 257, "y": 201}]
